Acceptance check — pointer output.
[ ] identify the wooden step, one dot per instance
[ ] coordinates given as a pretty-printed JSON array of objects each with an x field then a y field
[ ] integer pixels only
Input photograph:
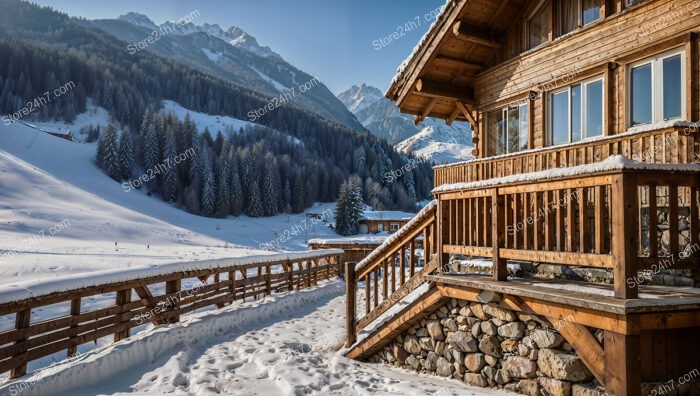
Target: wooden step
[{"x": 384, "y": 334}]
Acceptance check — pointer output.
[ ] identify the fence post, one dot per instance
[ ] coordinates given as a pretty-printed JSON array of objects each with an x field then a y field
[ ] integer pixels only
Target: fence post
[
  {"x": 289, "y": 267},
  {"x": 123, "y": 297},
  {"x": 268, "y": 284},
  {"x": 21, "y": 322},
  {"x": 500, "y": 265},
  {"x": 74, "y": 311},
  {"x": 350, "y": 290},
  {"x": 623, "y": 208},
  {"x": 173, "y": 286}
]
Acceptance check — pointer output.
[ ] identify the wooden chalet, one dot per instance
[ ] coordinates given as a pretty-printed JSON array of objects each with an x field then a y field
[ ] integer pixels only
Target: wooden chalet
[{"x": 584, "y": 117}]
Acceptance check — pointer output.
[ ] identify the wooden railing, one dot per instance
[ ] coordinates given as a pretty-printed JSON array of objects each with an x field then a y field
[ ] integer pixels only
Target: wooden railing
[
  {"x": 669, "y": 145},
  {"x": 626, "y": 218},
  {"x": 391, "y": 272},
  {"x": 219, "y": 282}
]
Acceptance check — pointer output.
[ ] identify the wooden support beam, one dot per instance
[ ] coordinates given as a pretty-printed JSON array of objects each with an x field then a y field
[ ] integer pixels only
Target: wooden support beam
[
  {"x": 465, "y": 33},
  {"x": 350, "y": 303},
  {"x": 174, "y": 286},
  {"x": 622, "y": 364},
  {"x": 587, "y": 347},
  {"x": 434, "y": 89},
  {"x": 463, "y": 65},
  {"x": 143, "y": 292},
  {"x": 123, "y": 298},
  {"x": 426, "y": 112},
  {"x": 625, "y": 236}
]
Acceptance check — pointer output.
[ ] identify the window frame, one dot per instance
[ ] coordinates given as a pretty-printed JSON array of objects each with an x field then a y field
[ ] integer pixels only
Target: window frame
[
  {"x": 657, "y": 106},
  {"x": 532, "y": 14},
  {"x": 393, "y": 227},
  {"x": 504, "y": 118},
  {"x": 584, "y": 107},
  {"x": 580, "y": 22}
]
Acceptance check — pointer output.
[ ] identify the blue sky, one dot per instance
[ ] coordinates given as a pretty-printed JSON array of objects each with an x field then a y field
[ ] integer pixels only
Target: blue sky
[{"x": 337, "y": 41}]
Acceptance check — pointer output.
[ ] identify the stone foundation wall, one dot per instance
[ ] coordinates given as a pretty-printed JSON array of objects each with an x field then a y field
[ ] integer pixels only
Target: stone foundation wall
[{"x": 487, "y": 346}]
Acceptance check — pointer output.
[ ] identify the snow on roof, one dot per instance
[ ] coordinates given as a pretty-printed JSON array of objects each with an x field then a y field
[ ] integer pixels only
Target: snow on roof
[
  {"x": 387, "y": 215},
  {"x": 373, "y": 239},
  {"x": 41, "y": 287},
  {"x": 398, "y": 234},
  {"x": 612, "y": 163},
  {"x": 632, "y": 131}
]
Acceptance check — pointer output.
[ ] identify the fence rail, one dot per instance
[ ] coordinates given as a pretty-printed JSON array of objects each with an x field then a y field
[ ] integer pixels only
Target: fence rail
[
  {"x": 670, "y": 145},
  {"x": 391, "y": 272},
  {"x": 136, "y": 303},
  {"x": 626, "y": 220}
]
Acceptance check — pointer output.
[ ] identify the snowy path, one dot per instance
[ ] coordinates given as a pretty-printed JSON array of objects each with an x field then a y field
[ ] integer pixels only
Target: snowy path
[{"x": 284, "y": 345}]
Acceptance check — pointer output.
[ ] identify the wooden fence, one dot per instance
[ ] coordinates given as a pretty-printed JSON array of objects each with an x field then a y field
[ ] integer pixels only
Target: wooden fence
[
  {"x": 222, "y": 282},
  {"x": 670, "y": 145},
  {"x": 391, "y": 272},
  {"x": 625, "y": 220}
]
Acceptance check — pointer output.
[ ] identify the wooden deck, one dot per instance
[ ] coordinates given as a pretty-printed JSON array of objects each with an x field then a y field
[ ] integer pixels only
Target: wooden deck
[{"x": 594, "y": 296}]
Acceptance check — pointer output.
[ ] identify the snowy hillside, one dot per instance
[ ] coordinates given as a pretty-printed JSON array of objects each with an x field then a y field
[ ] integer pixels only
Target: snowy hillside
[
  {"x": 203, "y": 121},
  {"x": 48, "y": 184},
  {"x": 432, "y": 140},
  {"x": 439, "y": 143}
]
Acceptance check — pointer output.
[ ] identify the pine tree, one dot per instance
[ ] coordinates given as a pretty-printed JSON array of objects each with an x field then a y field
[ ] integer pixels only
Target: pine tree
[
  {"x": 208, "y": 187},
  {"x": 410, "y": 184},
  {"x": 255, "y": 206},
  {"x": 223, "y": 191},
  {"x": 236, "y": 192},
  {"x": 271, "y": 192},
  {"x": 126, "y": 154},
  {"x": 341, "y": 212},
  {"x": 287, "y": 197},
  {"x": 108, "y": 152},
  {"x": 170, "y": 177},
  {"x": 151, "y": 149},
  {"x": 298, "y": 192},
  {"x": 355, "y": 207}
]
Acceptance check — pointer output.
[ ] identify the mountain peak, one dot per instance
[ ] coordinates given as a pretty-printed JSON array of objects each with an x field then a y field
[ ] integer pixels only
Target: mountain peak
[
  {"x": 137, "y": 19},
  {"x": 241, "y": 39},
  {"x": 358, "y": 98}
]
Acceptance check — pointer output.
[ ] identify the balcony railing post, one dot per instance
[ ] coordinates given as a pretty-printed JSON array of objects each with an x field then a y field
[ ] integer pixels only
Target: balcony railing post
[
  {"x": 500, "y": 265},
  {"x": 623, "y": 207},
  {"x": 350, "y": 299},
  {"x": 441, "y": 230}
]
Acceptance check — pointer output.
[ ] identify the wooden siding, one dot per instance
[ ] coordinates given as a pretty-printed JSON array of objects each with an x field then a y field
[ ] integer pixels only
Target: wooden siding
[{"x": 609, "y": 44}]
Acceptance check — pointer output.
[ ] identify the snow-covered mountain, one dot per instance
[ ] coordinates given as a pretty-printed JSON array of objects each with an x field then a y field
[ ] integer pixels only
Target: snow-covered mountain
[
  {"x": 432, "y": 140},
  {"x": 231, "y": 54}
]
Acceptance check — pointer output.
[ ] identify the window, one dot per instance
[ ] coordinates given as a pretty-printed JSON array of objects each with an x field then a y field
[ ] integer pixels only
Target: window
[
  {"x": 576, "y": 112},
  {"x": 656, "y": 90},
  {"x": 573, "y": 14},
  {"x": 380, "y": 227},
  {"x": 507, "y": 130},
  {"x": 538, "y": 25},
  {"x": 394, "y": 227}
]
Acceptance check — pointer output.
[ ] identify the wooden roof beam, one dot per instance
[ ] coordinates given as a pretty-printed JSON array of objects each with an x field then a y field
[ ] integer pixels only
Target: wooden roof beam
[
  {"x": 462, "y": 64},
  {"x": 426, "y": 112},
  {"x": 434, "y": 89},
  {"x": 470, "y": 35}
]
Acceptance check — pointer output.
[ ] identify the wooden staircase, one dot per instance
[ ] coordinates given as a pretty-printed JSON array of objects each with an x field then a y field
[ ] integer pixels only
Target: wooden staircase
[{"x": 389, "y": 274}]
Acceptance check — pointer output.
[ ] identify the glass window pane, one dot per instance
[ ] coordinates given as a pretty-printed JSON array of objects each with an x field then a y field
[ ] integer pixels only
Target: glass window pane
[
  {"x": 524, "y": 126},
  {"x": 560, "y": 118},
  {"x": 495, "y": 139},
  {"x": 672, "y": 87},
  {"x": 513, "y": 125},
  {"x": 591, "y": 11},
  {"x": 641, "y": 95},
  {"x": 538, "y": 26},
  {"x": 568, "y": 16},
  {"x": 594, "y": 109},
  {"x": 576, "y": 113}
]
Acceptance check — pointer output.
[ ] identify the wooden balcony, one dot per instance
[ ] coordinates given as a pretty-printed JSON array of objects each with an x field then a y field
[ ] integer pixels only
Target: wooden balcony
[
  {"x": 674, "y": 144},
  {"x": 619, "y": 214}
]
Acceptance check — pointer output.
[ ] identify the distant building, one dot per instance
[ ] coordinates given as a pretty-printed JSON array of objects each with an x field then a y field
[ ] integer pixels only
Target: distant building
[{"x": 374, "y": 222}]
